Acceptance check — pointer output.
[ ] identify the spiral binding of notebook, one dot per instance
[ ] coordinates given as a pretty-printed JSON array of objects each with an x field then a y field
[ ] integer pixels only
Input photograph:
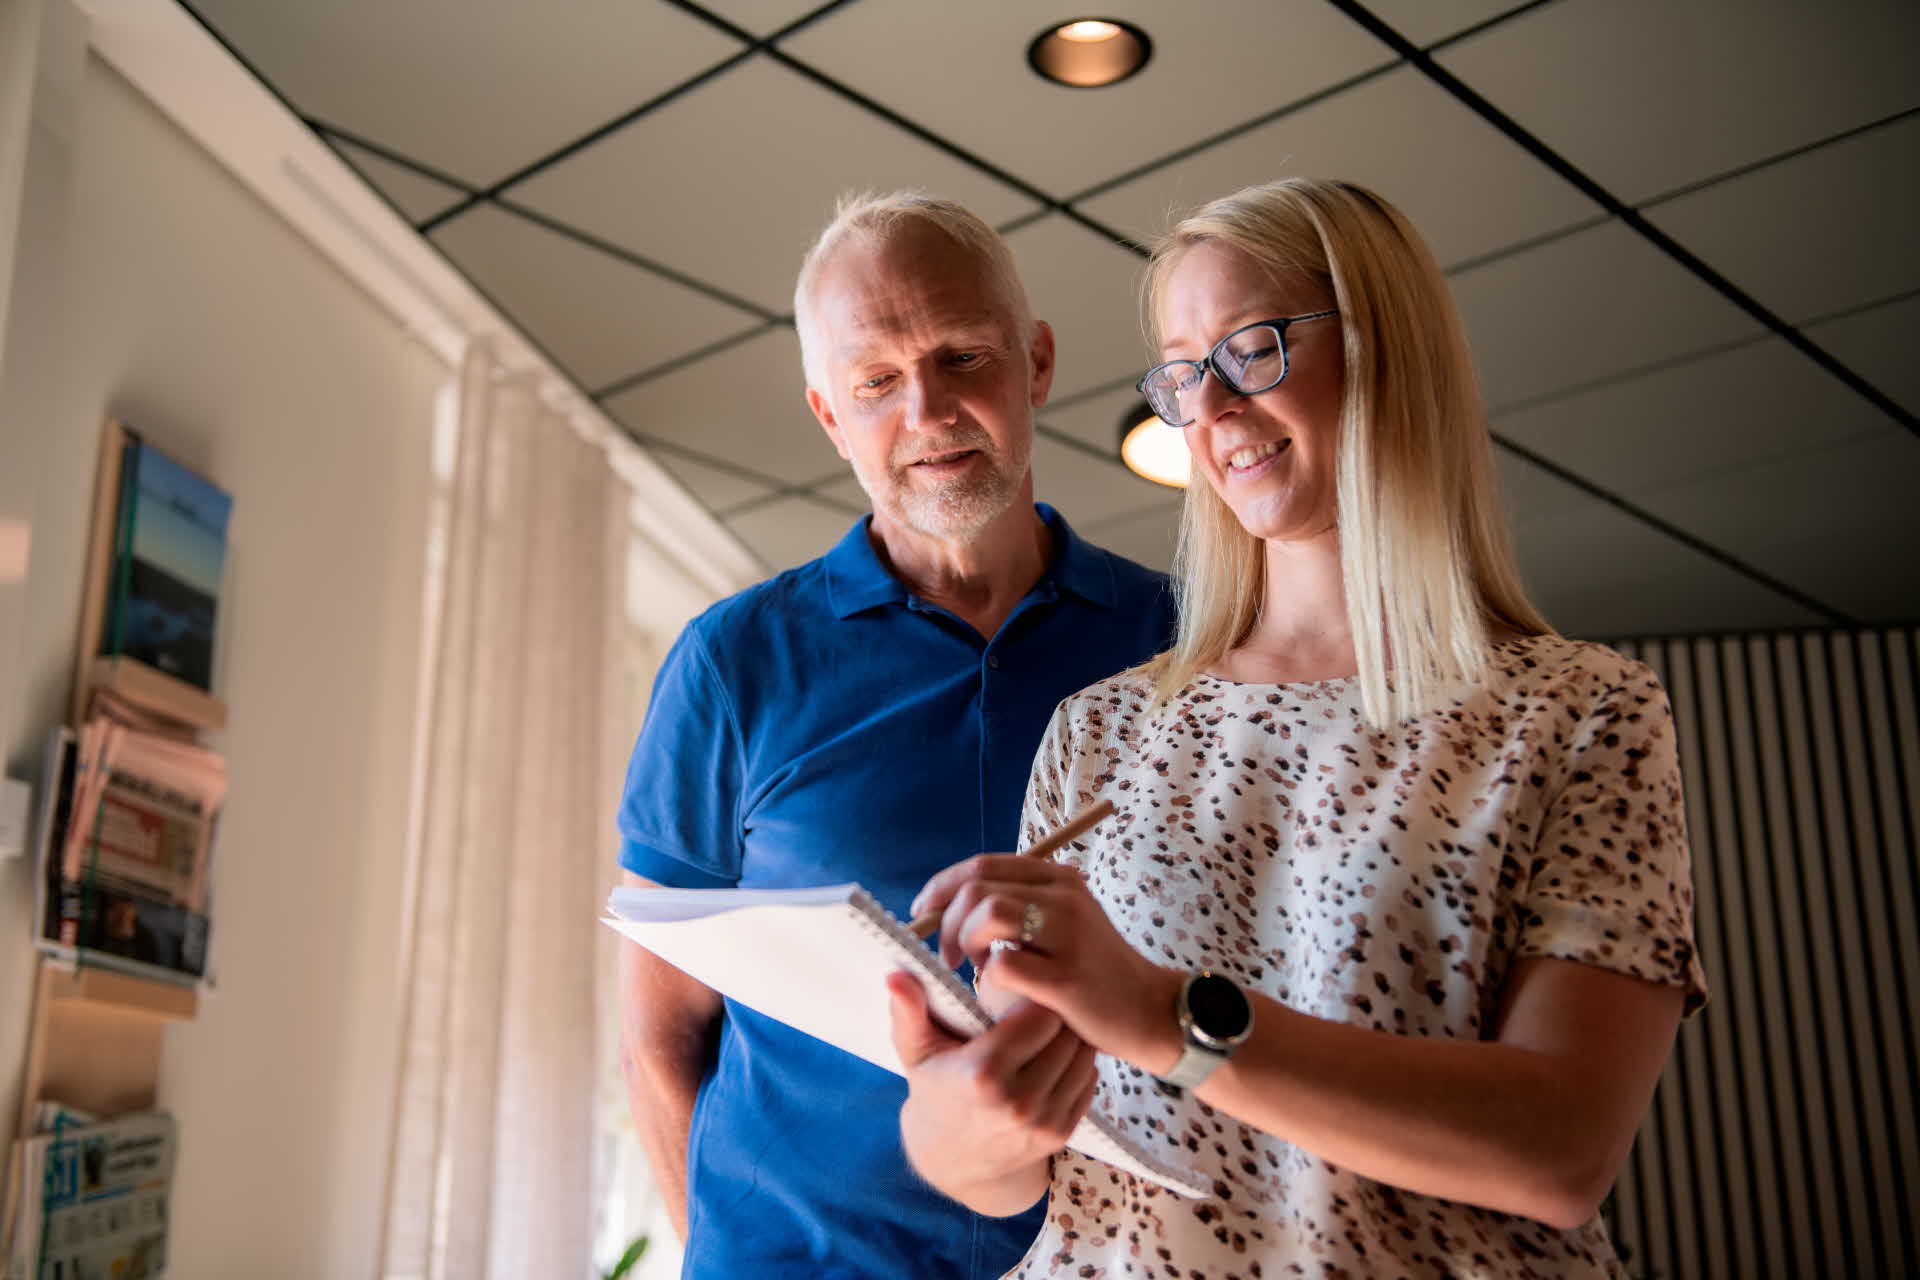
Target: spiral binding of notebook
[{"x": 1095, "y": 1135}]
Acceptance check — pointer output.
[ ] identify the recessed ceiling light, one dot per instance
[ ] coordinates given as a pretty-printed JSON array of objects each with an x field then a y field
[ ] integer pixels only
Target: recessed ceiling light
[
  {"x": 1088, "y": 31},
  {"x": 1154, "y": 450},
  {"x": 1089, "y": 53}
]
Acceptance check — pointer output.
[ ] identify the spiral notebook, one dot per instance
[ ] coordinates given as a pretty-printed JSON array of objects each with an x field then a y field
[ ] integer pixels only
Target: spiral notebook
[{"x": 817, "y": 960}]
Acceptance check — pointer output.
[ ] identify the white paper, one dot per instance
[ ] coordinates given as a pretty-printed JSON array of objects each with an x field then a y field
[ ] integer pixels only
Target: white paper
[{"x": 817, "y": 960}]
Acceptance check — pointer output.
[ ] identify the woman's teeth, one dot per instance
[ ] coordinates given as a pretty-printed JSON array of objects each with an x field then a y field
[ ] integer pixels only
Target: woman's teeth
[{"x": 1244, "y": 458}]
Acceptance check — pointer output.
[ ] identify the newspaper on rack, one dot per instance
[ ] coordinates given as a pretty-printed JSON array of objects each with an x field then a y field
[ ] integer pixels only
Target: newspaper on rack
[
  {"x": 92, "y": 1201},
  {"x": 144, "y": 807}
]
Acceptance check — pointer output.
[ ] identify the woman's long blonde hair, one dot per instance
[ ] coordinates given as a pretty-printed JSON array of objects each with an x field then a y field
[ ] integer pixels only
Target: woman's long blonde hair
[{"x": 1424, "y": 548}]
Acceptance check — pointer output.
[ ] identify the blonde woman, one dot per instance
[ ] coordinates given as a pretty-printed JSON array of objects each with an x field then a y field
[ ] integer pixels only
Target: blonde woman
[{"x": 1393, "y": 929}]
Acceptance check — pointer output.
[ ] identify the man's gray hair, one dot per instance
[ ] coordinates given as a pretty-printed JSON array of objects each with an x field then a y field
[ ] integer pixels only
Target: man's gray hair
[{"x": 874, "y": 217}]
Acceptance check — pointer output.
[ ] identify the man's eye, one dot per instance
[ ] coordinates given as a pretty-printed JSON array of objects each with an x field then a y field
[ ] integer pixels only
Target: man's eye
[
  {"x": 966, "y": 358},
  {"x": 877, "y": 382}
]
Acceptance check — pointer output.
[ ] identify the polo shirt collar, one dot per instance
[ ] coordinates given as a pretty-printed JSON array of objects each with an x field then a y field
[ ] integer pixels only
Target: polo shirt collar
[
  {"x": 1079, "y": 566},
  {"x": 857, "y": 581}
]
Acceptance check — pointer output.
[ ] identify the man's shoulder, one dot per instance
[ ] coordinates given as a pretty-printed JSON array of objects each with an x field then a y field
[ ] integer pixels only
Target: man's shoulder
[{"x": 793, "y": 597}]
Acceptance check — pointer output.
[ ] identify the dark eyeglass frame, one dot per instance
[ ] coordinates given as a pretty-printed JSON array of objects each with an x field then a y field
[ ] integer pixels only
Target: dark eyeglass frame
[{"x": 1209, "y": 363}]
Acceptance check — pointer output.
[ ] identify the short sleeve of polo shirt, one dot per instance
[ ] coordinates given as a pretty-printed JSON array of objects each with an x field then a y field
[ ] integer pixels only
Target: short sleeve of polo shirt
[
  {"x": 680, "y": 809},
  {"x": 1611, "y": 884}
]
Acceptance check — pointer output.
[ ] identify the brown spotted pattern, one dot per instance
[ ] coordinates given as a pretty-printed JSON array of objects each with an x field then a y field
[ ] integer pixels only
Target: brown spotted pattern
[{"x": 1383, "y": 879}]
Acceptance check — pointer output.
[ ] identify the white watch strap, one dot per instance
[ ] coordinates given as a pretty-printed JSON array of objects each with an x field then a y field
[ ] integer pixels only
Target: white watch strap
[{"x": 1195, "y": 1065}]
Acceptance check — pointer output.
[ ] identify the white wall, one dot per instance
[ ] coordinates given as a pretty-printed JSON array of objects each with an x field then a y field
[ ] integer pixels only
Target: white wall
[{"x": 149, "y": 285}]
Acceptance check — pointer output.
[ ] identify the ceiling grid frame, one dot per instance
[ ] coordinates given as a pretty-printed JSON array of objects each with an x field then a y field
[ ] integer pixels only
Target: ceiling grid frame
[{"x": 1404, "y": 53}]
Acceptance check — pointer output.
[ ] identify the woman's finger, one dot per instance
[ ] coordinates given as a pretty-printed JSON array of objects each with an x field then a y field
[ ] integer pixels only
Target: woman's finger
[
  {"x": 1011, "y": 868},
  {"x": 1036, "y": 917}
]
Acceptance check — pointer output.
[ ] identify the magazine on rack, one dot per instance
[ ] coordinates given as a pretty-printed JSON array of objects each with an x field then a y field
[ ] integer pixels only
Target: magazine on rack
[
  {"x": 92, "y": 1200},
  {"x": 127, "y": 840}
]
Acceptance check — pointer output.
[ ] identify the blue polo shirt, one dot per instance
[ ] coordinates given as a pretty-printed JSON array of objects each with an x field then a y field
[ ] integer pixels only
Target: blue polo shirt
[{"x": 826, "y": 726}]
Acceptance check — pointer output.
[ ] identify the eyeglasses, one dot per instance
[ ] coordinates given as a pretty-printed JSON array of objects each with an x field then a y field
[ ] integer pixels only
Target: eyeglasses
[{"x": 1251, "y": 359}]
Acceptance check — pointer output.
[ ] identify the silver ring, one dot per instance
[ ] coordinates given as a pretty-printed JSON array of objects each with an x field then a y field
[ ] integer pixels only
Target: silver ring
[{"x": 1030, "y": 922}]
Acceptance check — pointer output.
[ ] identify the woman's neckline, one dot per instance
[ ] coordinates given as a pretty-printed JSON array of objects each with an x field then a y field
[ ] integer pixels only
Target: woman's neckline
[{"x": 1509, "y": 643}]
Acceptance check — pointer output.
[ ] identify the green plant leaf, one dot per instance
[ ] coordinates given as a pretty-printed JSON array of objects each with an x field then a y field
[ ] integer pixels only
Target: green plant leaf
[{"x": 628, "y": 1259}]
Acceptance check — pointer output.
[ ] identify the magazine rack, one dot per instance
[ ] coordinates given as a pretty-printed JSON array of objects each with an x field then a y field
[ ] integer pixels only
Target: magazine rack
[
  {"x": 98, "y": 1026},
  {"x": 98, "y": 1030},
  {"x": 96, "y": 1038}
]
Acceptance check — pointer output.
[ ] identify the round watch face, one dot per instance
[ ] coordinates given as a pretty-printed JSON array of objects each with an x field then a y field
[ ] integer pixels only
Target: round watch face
[{"x": 1218, "y": 1008}]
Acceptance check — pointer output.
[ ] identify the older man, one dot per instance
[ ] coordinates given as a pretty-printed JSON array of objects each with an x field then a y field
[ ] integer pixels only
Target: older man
[{"x": 871, "y": 716}]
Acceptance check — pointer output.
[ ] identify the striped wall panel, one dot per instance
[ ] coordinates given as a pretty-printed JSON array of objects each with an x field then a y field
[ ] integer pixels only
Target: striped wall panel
[{"x": 1782, "y": 1139}]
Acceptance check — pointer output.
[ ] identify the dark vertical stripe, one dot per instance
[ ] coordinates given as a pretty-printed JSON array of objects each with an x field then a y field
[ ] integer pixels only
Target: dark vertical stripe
[
  {"x": 1835, "y": 853},
  {"x": 1786, "y": 1092},
  {"x": 1689, "y": 1241},
  {"x": 1747, "y": 1130},
  {"x": 1889, "y": 896},
  {"x": 1865, "y": 1008},
  {"x": 1902, "y": 734},
  {"x": 1810, "y": 834},
  {"x": 1697, "y": 1061}
]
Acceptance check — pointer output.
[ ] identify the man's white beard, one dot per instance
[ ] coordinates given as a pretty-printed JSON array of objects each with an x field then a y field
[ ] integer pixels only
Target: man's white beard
[{"x": 956, "y": 510}]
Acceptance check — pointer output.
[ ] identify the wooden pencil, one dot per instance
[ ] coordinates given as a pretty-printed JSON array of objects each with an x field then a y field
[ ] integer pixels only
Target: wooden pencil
[{"x": 927, "y": 923}]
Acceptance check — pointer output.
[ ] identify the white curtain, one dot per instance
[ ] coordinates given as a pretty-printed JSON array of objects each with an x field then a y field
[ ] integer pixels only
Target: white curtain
[{"x": 496, "y": 1159}]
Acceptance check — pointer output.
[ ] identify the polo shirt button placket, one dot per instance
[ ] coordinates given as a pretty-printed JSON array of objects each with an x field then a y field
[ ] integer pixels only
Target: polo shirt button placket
[{"x": 993, "y": 661}]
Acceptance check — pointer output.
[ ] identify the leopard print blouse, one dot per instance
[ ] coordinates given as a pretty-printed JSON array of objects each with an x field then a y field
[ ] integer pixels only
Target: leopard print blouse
[{"x": 1385, "y": 879}]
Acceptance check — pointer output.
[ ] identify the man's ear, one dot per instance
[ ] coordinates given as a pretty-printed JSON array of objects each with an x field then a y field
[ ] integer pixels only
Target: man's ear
[
  {"x": 823, "y": 414},
  {"x": 1040, "y": 352}
]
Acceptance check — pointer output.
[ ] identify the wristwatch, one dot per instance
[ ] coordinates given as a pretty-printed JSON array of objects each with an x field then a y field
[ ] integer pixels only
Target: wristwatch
[{"x": 1215, "y": 1018}]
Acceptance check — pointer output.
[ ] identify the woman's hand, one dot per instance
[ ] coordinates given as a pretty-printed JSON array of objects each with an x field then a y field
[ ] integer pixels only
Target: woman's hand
[
  {"x": 982, "y": 1116},
  {"x": 1059, "y": 950}
]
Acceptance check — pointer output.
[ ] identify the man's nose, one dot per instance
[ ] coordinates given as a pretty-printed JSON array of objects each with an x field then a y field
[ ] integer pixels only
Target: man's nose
[{"x": 931, "y": 401}]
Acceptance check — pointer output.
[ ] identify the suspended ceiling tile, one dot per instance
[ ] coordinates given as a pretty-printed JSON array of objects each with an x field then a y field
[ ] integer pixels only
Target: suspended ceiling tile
[
  {"x": 720, "y": 489},
  {"x": 791, "y": 531},
  {"x": 1878, "y": 344},
  {"x": 746, "y": 406},
  {"x": 1087, "y": 490},
  {"x": 1595, "y": 571},
  {"x": 1427, "y": 21},
  {"x": 762, "y": 17},
  {"x": 1096, "y": 419},
  {"x": 1840, "y": 524},
  {"x": 1087, "y": 288},
  {"x": 1723, "y": 412},
  {"x": 1145, "y": 536},
  {"x": 1400, "y": 135},
  {"x": 1816, "y": 234},
  {"x": 415, "y": 195},
  {"x": 599, "y": 316},
  {"x": 731, "y": 182},
  {"x": 1213, "y": 66},
  {"x": 1531, "y": 493},
  {"x": 1588, "y": 305},
  {"x": 473, "y": 90},
  {"x": 1647, "y": 96}
]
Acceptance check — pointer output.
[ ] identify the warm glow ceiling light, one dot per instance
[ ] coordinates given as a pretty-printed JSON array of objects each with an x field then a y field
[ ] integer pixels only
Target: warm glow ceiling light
[
  {"x": 1089, "y": 53},
  {"x": 1152, "y": 449}
]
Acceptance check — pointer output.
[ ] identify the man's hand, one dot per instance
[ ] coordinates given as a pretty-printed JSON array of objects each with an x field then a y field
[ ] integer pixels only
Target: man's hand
[
  {"x": 983, "y": 1115},
  {"x": 669, "y": 1027}
]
